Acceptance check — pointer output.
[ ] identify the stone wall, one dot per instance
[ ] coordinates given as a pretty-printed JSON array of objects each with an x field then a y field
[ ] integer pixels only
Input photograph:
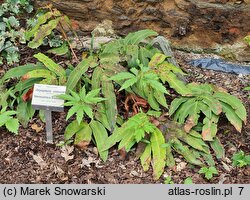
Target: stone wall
[{"x": 189, "y": 23}]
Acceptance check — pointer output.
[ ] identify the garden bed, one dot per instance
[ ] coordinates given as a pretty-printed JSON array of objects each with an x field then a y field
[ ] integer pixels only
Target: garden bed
[{"x": 26, "y": 158}]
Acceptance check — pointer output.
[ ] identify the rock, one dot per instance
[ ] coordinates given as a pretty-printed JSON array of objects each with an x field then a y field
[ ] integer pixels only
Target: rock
[
  {"x": 238, "y": 51},
  {"x": 104, "y": 29},
  {"x": 198, "y": 24}
]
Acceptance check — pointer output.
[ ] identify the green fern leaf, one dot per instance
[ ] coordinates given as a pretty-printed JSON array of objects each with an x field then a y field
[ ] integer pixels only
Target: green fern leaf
[
  {"x": 79, "y": 115},
  {"x": 72, "y": 111},
  {"x": 88, "y": 110},
  {"x": 101, "y": 116},
  {"x": 51, "y": 65},
  {"x": 170, "y": 162},
  {"x": 160, "y": 98},
  {"x": 128, "y": 83},
  {"x": 185, "y": 110},
  {"x": 20, "y": 71},
  {"x": 212, "y": 103},
  {"x": 175, "y": 104},
  {"x": 42, "y": 32},
  {"x": 159, "y": 154},
  {"x": 110, "y": 102},
  {"x": 146, "y": 158},
  {"x": 209, "y": 128},
  {"x": 175, "y": 83},
  {"x": 193, "y": 117},
  {"x": 84, "y": 134},
  {"x": 185, "y": 151},
  {"x": 153, "y": 102},
  {"x": 156, "y": 60},
  {"x": 96, "y": 78},
  {"x": 122, "y": 76},
  {"x": 232, "y": 117},
  {"x": 43, "y": 73},
  {"x": 139, "y": 36},
  {"x": 41, "y": 20},
  {"x": 101, "y": 136},
  {"x": 234, "y": 102},
  {"x": 59, "y": 51},
  {"x": 77, "y": 73},
  {"x": 127, "y": 141},
  {"x": 71, "y": 129},
  {"x": 218, "y": 148}
]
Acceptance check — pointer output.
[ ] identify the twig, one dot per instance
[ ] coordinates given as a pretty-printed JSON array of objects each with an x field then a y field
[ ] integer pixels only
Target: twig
[{"x": 67, "y": 39}]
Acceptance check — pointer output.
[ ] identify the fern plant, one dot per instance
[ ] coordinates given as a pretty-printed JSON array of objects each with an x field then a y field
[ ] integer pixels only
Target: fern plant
[
  {"x": 145, "y": 83},
  {"x": 114, "y": 58},
  {"x": 82, "y": 104},
  {"x": 159, "y": 143},
  {"x": 52, "y": 74},
  {"x": 137, "y": 129},
  {"x": 47, "y": 72},
  {"x": 129, "y": 49},
  {"x": 44, "y": 72},
  {"x": 205, "y": 102}
]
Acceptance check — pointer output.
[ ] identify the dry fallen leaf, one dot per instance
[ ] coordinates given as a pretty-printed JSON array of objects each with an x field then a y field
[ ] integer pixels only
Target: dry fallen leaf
[
  {"x": 66, "y": 151},
  {"x": 189, "y": 124},
  {"x": 90, "y": 160},
  {"x": 83, "y": 145},
  {"x": 36, "y": 127},
  {"x": 226, "y": 167},
  {"x": 58, "y": 171},
  {"x": 180, "y": 166},
  {"x": 39, "y": 160}
]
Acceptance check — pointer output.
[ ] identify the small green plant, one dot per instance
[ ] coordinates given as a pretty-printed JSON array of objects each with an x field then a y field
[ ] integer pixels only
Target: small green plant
[
  {"x": 11, "y": 34},
  {"x": 168, "y": 180},
  {"x": 7, "y": 120},
  {"x": 81, "y": 103},
  {"x": 208, "y": 172},
  {"x": 240, "y": 159},
  {"x": 188, "y": 180}
]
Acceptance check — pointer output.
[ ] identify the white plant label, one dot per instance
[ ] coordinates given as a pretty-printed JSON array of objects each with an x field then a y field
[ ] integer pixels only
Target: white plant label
[{"x": 45, "y": 97}]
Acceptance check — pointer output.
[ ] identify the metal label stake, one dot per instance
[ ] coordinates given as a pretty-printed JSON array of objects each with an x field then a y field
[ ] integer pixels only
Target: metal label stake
[
  {"x": 49, "y": 131},
  {"x": 45, "y": 98}
]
